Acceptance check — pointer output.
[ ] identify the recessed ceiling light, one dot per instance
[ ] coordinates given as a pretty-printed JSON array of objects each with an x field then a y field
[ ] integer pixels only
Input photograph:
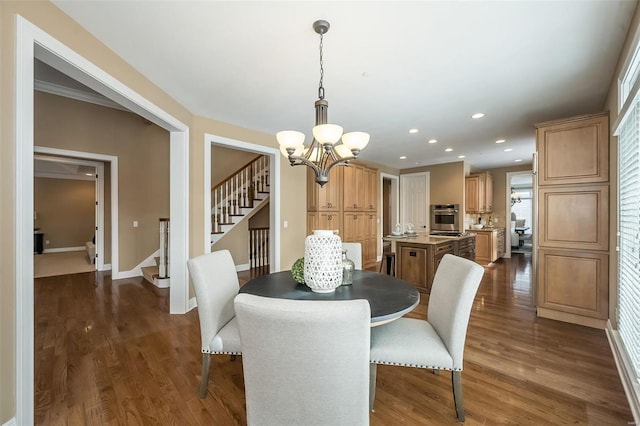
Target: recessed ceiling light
[
  {"x": 460, "y": 156},
  {"x": 403, "y": 157},
  {"x": 518, "y": 160},
  {"x": 413, "y": 131},
  {"x": 500, "y": 141},
  {"x": 449, "y": 149},
  {"x": 88, "y": 174},
  {"x": 477, "y": 115},
  {"x": 433, "y": 140},
  {"x": 508, "y": 150}
]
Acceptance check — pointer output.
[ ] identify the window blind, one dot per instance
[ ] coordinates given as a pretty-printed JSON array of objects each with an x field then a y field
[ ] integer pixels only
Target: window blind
[{"x": 629, "y": 227}]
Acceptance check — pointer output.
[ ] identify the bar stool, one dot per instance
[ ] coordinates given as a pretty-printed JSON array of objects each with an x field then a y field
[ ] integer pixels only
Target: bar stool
[{"x": 390, "y": 258}]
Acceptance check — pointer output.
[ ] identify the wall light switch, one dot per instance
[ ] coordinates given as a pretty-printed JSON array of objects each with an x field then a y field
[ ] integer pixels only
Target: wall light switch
[
  {"x": 135, "y": 223},
  {"x": 286, "y": 224}
]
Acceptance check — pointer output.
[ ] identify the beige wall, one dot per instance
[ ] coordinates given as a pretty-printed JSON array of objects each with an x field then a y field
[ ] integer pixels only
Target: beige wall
[
  {"x": 226, "y": 161},
  {"x": 142, "y": 150},
  {"x": 65, "y": 211},
  {"x": 446, "y": 182},
  {"x": 261, "y": 218}
]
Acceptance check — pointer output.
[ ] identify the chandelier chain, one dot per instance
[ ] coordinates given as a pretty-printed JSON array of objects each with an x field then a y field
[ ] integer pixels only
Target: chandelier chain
[{"x": 321, "y": 87}]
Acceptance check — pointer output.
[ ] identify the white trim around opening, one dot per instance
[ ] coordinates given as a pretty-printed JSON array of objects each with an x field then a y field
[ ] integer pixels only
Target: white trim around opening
[{"x": 32, "y": 42}]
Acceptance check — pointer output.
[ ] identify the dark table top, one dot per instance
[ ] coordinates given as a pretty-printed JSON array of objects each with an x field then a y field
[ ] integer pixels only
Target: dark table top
[{"x": 389, "y": 297}]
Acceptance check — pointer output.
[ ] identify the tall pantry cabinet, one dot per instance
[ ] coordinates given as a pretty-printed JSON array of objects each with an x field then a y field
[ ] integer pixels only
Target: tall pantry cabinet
[
  {"x": 573, "y": 220},
  {"x": 348, "y": 203}
]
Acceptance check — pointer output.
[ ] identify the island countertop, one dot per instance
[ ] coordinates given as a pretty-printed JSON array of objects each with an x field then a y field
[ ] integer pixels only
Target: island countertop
[{"x": 425, "y": 239}]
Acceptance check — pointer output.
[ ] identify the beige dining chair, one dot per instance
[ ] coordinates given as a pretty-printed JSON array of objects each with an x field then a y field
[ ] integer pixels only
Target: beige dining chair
[
  {"x": 215, "y": 282},
  {"x": 438, "y": 342},
  {"x": 354, "y": 252},
  {"x": 305, "y": 362}
]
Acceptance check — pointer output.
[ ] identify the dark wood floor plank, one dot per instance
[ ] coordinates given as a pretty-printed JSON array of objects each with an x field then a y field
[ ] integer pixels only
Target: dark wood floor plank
[{"x": 108, "y": 353}]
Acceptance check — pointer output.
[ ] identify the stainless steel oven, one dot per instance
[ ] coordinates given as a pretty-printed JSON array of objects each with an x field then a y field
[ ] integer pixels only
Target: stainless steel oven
[{"x": 445, "y": 217}]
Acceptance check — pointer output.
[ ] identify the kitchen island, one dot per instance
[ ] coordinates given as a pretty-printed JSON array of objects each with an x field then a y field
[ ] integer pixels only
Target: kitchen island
[{"x": 418, "y": 257}]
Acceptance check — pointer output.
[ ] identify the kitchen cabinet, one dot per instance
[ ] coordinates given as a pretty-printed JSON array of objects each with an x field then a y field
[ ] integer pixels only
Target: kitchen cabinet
[
  {"x": 572, "y": 272},
  {"x": 490, "y": 244},
  {"x": 418, "y": 258},
  {"x": 348, "y": 203},
  {"x": 327, "y": 197},
  {"x": 479, "y": 193},
  {"x": 324, "y": 220}
]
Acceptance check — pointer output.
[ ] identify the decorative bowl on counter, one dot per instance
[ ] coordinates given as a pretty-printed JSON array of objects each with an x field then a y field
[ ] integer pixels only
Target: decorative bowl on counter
[{"x": 477, "y": 226}]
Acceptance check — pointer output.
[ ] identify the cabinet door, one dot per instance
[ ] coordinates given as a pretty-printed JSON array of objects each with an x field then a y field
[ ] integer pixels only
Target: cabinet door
[
  {"x": 312, "y": 222},
  {"x": 330, "y": 195},
  {"x": 312, "y": 192},
  {"x": 471, "y": 191},
  {"x": 573, "y": 151},
  {"x": 574, "y": 217},
  {"x": 574, "y": 282},
  {"x": 488, "y": 193},
  {"x": 371, "y": 191},
  {"x": 354, "y": 188},
  {"x": 413, "y": 266},
  {"x": 483, "y": 246},
  {"x": 327, "y": 220},
  {"x": 354, "y": 225}
]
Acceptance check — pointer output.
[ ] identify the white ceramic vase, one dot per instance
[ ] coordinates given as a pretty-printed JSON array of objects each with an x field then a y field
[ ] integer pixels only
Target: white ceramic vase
[{"x": 323, "y": 261}]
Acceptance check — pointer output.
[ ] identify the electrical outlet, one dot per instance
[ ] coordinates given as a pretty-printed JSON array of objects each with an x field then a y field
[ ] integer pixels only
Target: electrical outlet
[{"x": 135, "y": 223}]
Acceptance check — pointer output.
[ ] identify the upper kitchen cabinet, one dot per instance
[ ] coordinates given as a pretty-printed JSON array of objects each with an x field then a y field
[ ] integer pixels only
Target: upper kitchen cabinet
[
  {"x": 327, "y": 198},
  {"x": 479, "y": 193},
  {"x": 360, "y": 188},
  {"x": 574, "y": 151}
]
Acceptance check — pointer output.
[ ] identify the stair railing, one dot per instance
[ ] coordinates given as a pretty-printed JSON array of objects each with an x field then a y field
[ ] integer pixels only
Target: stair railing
[
  {"x": 259, "y": 249},
  {"x": 238, "y": 190},
  {"x": 163, "y": 266}
]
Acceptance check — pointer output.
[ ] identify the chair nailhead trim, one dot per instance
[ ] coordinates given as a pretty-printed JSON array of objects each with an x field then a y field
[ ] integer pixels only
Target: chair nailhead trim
[
  {"x": 204, "y": 351},
  {"x": 399, "y": 364}
]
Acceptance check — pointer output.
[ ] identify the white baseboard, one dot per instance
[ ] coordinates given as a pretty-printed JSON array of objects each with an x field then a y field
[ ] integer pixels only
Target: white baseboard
[
  {"x": 63, "y": 249},
  {"x": 625, "y": 370},
  {"x": 137, "y": 271},
  {"x": 192, "y": 304},
  {"x": 106, "y": 267},
  {"x": 243, "y": 267},
  {"x": 11, "y": 422}
]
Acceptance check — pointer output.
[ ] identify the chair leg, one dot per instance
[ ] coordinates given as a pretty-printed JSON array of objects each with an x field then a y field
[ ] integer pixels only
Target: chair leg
[
  {"x": 456, "y": 382},
  {"x": 373, "y": 372},
  {"x": 204, "y": 384}
]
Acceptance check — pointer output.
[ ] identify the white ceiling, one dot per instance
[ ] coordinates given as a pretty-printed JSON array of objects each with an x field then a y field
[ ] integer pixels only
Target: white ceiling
[{"x": 389, "y": 66}]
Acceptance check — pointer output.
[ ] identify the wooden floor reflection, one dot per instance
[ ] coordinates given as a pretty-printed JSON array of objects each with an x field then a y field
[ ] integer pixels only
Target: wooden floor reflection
[{"x": 107, "y": 352}]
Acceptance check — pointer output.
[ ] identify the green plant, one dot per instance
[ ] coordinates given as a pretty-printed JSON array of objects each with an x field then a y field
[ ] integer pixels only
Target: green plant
[{"x": 297, "y": 270}]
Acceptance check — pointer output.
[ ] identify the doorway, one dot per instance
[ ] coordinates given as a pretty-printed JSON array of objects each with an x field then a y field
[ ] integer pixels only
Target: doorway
[
  {"x": 274, "y": 190},
  {"x": 32, "y": 42},
  {"x": 520, "y": 202},
  {"x": 414, "y": 196}
]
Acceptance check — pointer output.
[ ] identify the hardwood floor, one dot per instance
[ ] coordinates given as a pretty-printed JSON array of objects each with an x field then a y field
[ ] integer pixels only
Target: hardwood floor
[{"x": 107, "y": 352}]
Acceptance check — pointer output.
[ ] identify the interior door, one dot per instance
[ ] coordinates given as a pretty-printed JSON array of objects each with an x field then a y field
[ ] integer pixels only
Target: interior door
[{"x": 414, "y": 196}]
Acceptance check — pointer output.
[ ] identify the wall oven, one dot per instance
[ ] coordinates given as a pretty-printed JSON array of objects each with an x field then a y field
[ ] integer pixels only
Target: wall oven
[{"x": 445, "y": 218}]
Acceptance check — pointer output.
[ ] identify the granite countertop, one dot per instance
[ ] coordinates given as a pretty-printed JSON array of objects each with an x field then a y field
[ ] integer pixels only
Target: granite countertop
[
  {"x": 485, "y": 229},
  {"x": 423, "y": 239}
]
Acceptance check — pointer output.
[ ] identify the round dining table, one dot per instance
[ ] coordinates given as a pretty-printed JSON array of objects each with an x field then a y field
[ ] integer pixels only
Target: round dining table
[{"x": 389, "y": 297}]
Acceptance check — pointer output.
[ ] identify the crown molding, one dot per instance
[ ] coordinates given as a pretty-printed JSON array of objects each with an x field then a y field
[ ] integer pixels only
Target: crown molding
[{"x": 78, "y": 95}]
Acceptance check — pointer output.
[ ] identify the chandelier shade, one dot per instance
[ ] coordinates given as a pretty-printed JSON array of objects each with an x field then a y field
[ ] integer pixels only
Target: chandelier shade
[{"x": 329, "y": 147}]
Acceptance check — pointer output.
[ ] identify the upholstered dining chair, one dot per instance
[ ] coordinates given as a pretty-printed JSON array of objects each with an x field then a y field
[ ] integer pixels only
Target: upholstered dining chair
[
  {"x": 215, "y": 281},
  {"x": 438, "y": 342},
  {"x": 305, "y": 362},
  {"x": 354, "y": 252}
]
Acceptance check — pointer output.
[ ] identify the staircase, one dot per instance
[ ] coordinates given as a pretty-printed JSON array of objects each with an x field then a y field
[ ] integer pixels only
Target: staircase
[
  {"x": 239, "y": 196},
  {"x": 158, "y": 274}
]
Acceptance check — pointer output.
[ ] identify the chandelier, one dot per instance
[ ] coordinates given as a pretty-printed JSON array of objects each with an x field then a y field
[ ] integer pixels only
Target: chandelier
[
  {"x": 515, "y": 197},
  {"x": 324, "y": 152}
]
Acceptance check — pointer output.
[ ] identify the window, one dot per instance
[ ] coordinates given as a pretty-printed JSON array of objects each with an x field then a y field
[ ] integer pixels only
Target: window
[
  {"x": 628, "y": 132},
  {"x": 629, "y": 229}
]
